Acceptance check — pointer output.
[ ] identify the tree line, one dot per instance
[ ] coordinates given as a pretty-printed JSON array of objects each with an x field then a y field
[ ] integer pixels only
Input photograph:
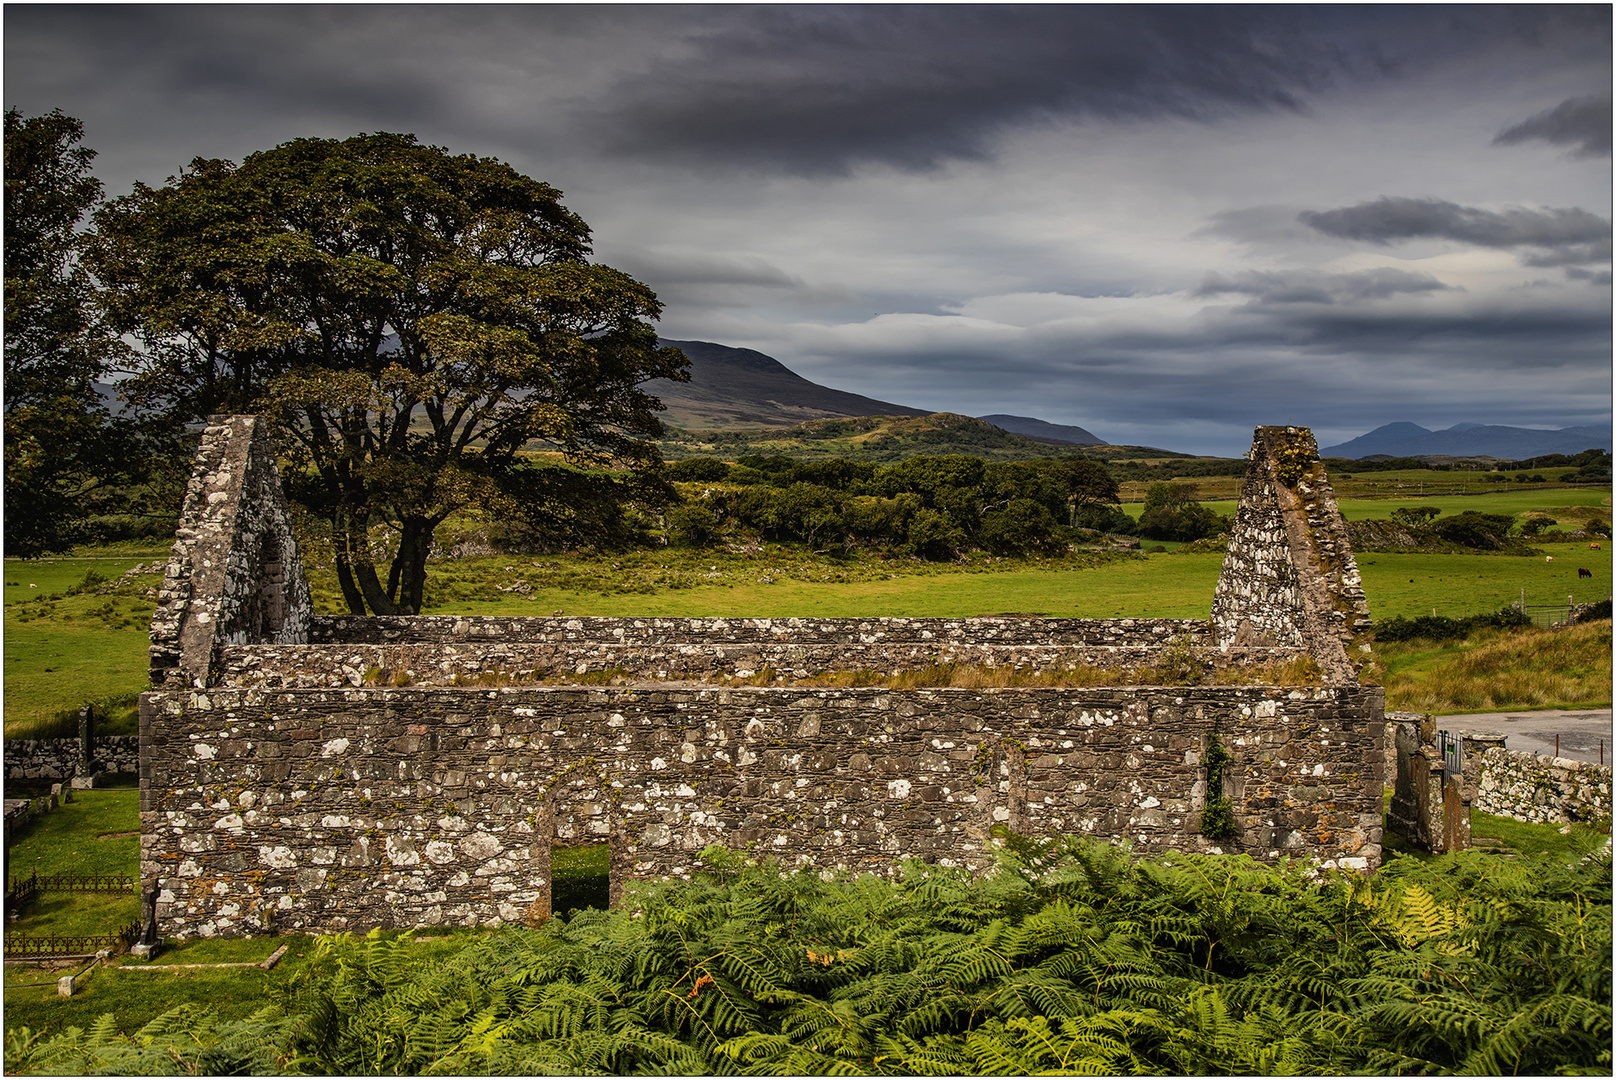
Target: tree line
[{"x": 930, "y": 507}]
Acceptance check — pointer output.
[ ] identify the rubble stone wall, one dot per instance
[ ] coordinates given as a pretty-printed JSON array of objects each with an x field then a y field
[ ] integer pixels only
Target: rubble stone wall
[
  {"x": 505, "y": 661},
  {"x": 985, "y": 630},
  {"x": 344, "y": 809},
  {"x": 1290, "y": 577},
  {"x": 1526, "y": 787},
  {"x": 58, "y": 759}
]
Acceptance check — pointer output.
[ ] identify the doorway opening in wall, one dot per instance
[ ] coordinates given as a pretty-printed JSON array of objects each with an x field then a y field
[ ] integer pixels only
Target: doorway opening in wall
[{"x": 580, "y": 877}]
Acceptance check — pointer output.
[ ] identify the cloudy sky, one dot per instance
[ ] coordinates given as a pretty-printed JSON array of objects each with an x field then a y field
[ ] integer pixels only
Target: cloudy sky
[{"x": 1164, "y": 224}]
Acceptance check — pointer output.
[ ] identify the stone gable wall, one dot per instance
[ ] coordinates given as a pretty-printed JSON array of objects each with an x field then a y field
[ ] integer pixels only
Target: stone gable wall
[
  {"x": 1290, "y": 577},
  {"x": 235, "y": 575}
]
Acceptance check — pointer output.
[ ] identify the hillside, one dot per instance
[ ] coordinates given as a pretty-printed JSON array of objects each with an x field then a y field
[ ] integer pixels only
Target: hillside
[
  {"x": 733, "y": 388},
  {"x": 1404, "y": 439},
  {"x": 865, "y": 438},
  {"x": 1043, "y": 431}
]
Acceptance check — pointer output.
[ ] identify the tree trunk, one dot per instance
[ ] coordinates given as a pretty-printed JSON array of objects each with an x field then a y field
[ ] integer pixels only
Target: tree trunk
[
  {"x": 350, "y": 589},
  {"x": 342, "y": 533},
  {"x": 354, "y": 565},
  {"x": 409, "y": 565},
  {"x": 380, "y": 603}
]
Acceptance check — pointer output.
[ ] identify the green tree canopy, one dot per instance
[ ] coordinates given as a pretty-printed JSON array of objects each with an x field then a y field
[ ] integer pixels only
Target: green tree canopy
[
  {"x": 63, "y": 449},
  {"x": 410, "y": 318},
  {"x": 1171, "y": 512}
]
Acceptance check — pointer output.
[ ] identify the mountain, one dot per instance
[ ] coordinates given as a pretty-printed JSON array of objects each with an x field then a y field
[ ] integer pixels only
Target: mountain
[
  {"x": 1471, "y": 440},
  {"x": 1043, "y": 431},
  {"x": 731, "y": 388}
]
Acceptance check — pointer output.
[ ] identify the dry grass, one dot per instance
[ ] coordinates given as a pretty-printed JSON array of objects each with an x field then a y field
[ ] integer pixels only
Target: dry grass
[
  {"x": 1505, "y": 670},
  {"x": 1301, "y": 671}
]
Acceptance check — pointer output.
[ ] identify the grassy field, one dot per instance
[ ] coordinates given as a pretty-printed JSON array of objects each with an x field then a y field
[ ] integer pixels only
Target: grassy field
[
  {"x": 66, "y": 648},
  {"x": 97, "y": 833},
  {"x": 1569, "y": 506}
]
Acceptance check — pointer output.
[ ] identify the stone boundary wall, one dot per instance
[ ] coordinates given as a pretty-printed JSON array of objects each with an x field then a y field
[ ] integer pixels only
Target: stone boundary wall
[
  {"x": 508, "y": 661},
  {"x": 58, "y": 759},
  {"x": 344, "y": 809},
  {"x": 1526, "y": 787}
]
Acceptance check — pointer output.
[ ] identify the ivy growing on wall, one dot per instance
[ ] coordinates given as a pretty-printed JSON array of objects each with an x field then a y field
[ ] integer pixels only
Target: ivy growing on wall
[{"x": 1217, "y": 816}]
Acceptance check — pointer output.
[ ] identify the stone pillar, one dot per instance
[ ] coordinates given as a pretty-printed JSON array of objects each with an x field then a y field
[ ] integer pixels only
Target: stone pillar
[{"x": 86, "y": 762}]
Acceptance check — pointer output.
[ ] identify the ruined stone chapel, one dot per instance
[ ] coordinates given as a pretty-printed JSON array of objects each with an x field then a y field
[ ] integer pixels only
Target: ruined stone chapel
[{"x": 325, "y": 773}]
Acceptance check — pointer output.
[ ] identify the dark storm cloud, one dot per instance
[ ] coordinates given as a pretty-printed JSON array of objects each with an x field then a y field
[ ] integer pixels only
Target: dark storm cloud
[
  {"x": 1580, "y": 122},
  {"x": 815, "y": 89},
  {"x": 1315, "y": 288},
  {"x": 1569, "y": 236},
  {"x": 276, "y": 58}
]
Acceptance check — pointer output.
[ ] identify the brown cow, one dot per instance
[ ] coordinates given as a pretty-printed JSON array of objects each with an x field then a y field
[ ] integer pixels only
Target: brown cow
[
  {"x": 1593, "y": 547},
  {"x": 1582, "y": 572}
]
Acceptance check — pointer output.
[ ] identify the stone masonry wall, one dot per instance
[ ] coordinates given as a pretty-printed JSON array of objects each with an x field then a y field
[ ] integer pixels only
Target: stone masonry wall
[
  {"x": 1290, "y": 576},
  {"x": 1527, "y": 787},
  {"x": 984, "y": 630},
  {"x": 329, "y": 773},
  {"x": 58, "y": 759},
  {"x": 330, "y": 810},
  {"x": 514, "y": 661},
  {"x": 235, "y": 575}
]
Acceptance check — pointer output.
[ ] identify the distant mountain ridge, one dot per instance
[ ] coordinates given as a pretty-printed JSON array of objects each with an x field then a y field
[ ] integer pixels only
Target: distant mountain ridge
[
  {"x": 1043, "y": 431},
  {"x": 735, "y": 388},
  {"x": 1403, "y": 439}
]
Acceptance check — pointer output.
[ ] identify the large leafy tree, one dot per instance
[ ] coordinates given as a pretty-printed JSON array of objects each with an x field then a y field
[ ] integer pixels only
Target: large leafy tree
[
  {"x": 63, "y": 449},
  {"x": 411, "y": 319}
]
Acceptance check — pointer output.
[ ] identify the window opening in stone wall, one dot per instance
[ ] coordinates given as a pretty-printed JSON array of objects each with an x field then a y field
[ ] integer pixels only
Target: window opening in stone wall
[{"x": 580, "y": 878}]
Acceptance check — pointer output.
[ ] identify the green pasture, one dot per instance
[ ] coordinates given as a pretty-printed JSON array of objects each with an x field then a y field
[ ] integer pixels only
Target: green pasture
[
  {"x": 1167, "y": 586},
  {"x": 1575, "y": 503},
  {"x": 63, "y": 651}
]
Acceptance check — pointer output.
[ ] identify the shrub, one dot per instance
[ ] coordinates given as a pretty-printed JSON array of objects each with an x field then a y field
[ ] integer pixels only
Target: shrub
[
  {"x": 692, "y": 525},
  {"x": 92, "y": 579},
  {"x": 1442, "y": 628},
  {"x": 699, "y": 468},
  {"x": 1474, "y": 529}
]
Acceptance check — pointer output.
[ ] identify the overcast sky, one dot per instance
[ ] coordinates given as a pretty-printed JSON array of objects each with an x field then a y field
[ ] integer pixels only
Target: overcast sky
[{"x": 1164, "y": 224}]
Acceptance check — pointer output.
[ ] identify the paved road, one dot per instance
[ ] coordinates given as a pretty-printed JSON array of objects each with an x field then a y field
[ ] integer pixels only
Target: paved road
[{"x": 1580, "y": 731}]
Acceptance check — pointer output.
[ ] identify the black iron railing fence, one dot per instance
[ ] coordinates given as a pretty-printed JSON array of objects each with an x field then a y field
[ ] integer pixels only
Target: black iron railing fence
[
  {"x": 23, "y": 891},
  {"x": 19, "y": 946}
]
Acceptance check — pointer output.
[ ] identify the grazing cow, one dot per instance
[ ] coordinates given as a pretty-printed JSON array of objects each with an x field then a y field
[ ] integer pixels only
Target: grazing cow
[
  {"x": 1593, "y": 547},
  {"x": 1548, "y": 558},
  {"x": 1583, "y": 572}
]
